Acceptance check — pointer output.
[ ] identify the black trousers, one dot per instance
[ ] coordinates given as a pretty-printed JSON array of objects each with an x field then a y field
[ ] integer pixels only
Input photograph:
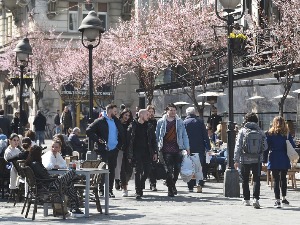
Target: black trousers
[
  {"x": 126, "y": 170},
  {"x": 173, "y": 164},
  {"x": 245, "y": 171},
  {"x": 110, "y": 157},
  {"x": 142, "y": 170},
  {"x": 279, "y": 177},
  {"x": 152, "y": 174}
]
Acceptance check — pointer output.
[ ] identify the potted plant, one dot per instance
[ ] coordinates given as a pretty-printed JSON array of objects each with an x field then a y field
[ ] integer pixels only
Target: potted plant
[{"x": 237, "y": 43}]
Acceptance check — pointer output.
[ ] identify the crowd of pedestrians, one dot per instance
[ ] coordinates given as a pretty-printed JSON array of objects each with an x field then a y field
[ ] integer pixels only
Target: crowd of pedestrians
[{"x": 144, "y": 143}]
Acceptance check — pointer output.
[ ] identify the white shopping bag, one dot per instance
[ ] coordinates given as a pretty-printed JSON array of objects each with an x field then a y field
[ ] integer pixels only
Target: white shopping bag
[
  {"x": 187, "y": 168},
  {"x": 197, "y": 167},
  {"x": 208, "y": 158}
]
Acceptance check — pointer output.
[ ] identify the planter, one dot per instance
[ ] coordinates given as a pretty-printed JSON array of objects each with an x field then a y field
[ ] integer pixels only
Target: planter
[{"x": 237, "y": 46}]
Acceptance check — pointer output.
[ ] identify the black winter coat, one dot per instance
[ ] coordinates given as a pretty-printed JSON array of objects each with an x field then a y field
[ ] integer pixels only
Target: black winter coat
[
  {"x": 40, "y": 122},
  {"x": 99, "y": 130},
  {"x": 152, "y": 142}
]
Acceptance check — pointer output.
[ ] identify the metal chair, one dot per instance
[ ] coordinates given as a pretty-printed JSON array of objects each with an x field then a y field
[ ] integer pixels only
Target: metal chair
[
  {"x": 4, "y": 176},
  {"x": 39, "y": 192}
]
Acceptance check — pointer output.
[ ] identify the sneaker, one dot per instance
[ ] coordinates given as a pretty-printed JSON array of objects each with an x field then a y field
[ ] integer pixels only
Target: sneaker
[
  {"x": 138, "y": 196},
  {"x": 246, "y": 202},
  {"x": 286, "y": 202},
  {"x": 277, "y": 204},
  {"x": 77, "y": 213},
  {"x": 191, "y": 190},
  {"x": 199, "y": 189},
  {"x": 125, "y": 193},
  {"x": 111, "y": 195},
  {"x": 170, "y": 192},
  {"x": 256, "y": 203}
]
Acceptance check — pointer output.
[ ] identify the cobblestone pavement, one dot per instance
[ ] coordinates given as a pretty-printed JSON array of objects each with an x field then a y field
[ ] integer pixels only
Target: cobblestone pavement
[{"x": 209, "y": 207}]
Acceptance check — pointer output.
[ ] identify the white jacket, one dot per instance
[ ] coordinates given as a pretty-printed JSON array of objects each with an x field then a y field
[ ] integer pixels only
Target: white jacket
[
  {"x": 49, "y": 160},
  {"x": 14, "y": 178}
]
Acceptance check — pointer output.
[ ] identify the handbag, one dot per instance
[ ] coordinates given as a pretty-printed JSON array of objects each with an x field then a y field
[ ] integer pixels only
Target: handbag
[{"x": 291, "y": 152}]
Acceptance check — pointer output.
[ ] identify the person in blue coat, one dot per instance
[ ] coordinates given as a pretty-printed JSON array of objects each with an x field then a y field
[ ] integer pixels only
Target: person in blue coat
[{"x": 278, "y": 161}]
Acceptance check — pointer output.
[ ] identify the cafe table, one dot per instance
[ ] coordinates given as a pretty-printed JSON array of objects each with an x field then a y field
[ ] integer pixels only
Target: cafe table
[{"x": 87, "y": 172}]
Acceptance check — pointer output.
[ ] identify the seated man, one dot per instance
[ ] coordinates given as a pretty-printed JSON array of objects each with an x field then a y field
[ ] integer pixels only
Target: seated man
[
  {"x": 53, "y": 159},
  {"x": 77, "y": 144}
]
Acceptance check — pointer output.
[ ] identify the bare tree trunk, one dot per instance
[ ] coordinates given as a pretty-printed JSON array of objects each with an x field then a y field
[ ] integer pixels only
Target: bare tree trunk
[{"x": 280, "y": 104}]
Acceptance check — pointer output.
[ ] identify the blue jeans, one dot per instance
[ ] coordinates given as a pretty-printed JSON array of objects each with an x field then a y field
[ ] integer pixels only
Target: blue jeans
[
  {"x": 57, "y": 129},
  {"x": 40, "y": 136}
]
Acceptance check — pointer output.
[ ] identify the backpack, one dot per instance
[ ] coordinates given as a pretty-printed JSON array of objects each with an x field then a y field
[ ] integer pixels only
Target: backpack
[{"x": 252, "y": 142}]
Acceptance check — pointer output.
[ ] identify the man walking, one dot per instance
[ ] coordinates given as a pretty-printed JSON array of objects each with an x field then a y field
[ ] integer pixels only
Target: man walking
[
  {"x": 66, "y": 119},
  {"x": 108, "y": 135},
  {"x": 214, "y": 119},
  {"x": 142, "y": 149},
  {"x": 172, "y": 139},
  {"x": 57, "y": 123},
  {"x": 39, "y": 124},
  {"x": 4, "y": 124},
  {"x": 198, "y": 136},
  {"x": 248, "y": 155}
]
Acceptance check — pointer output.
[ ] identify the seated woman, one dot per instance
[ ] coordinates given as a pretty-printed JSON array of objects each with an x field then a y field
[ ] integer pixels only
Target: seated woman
[
  {"x": 34, "y": 161},
  {"x": 10, "y": 154},
  {"x": 31, "y": 135},
  {"x": 53, "y": 159},
  {"x": 217, "y": 157},
  {"x": 65, "y": 147}
]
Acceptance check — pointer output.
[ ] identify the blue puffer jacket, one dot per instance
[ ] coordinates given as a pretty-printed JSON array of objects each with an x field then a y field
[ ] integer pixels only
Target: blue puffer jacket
[
  {"x": 182, "y": 137},
  {"x": 278, "y": 159}
]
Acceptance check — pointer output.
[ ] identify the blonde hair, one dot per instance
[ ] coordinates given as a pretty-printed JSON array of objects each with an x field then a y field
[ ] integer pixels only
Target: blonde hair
[{"x": 279, "y": 126}]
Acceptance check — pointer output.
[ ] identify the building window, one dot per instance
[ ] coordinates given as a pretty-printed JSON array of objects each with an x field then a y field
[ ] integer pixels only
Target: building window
[
  {"x": 73, "y": 16},
  {"x": 78, "y": 11}
]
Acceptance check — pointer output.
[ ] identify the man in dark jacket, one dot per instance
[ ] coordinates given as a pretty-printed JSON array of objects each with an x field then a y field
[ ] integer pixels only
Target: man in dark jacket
[
  {"x": 108, "y": 135},
  {"x": 142, "y": 149},
  {"x": 66, "y": 119},
  {"x": 198, "y": 139},
  {"x": 214, "y": 119},
  {"x": 40, "y": 127},
  {"x": 4, "y": 124},
  {"x": 57, "y": 122},
  {"x": 76, "y": 143}
]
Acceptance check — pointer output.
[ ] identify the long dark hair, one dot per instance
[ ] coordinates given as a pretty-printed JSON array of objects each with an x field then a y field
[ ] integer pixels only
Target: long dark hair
[
  {"x": 124, "y": 112},
  {"x": 35, "y": 155}
]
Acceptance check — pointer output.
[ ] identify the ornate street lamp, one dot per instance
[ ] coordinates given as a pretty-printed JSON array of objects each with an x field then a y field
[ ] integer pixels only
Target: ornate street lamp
[
  {"x": 23, "y": 50},
  {"x": 231, "y": 178},
  {"x": 91, "y": 29}
]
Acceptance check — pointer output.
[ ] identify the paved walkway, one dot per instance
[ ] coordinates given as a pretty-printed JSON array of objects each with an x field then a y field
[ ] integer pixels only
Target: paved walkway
[{"x": 209, "y": 207}]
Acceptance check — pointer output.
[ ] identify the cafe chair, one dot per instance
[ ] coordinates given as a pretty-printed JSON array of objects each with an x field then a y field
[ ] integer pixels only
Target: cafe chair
[
  {"x": 4, "y": 176},
  {"x": 39, "y": 193},
  {"x": 18, "y": 193},
  {"x": 90, "y": 164}
]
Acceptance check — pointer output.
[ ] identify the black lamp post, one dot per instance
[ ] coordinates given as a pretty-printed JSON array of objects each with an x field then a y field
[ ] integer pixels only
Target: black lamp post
[
  {"x": 231, "y": 179},
  {"x": 23, "y": 50},
  {"x": 91, "y": 28}
]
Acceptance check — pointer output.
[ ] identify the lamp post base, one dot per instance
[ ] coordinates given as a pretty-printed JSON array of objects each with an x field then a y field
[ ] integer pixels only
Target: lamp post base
[
  {"x": 91, "y": 155},
  {"x": 231, "y": 186}
]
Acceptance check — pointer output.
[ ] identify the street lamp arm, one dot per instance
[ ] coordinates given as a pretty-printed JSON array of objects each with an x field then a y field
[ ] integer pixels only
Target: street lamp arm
[{"x": 88, "y": 46}]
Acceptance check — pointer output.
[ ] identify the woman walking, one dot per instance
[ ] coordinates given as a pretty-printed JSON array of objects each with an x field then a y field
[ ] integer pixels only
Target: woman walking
[{"x": 278, "y": 161}]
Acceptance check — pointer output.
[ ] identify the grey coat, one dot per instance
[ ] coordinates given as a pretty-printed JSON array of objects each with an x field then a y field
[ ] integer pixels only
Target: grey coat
[{"x": 239, "y": 156}]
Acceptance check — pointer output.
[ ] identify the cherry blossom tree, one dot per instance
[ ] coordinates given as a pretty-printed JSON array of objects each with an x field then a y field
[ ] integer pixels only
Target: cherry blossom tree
[{"x": 281, "y": 38}]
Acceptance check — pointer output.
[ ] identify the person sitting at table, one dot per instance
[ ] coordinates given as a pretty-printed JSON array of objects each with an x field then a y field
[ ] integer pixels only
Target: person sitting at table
[
  {"x": 53, "y": 159},
  {"x": 66, "y": 149},
  {"x": 77, "y": 144},
  {"x": 34, "y": 161}
]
